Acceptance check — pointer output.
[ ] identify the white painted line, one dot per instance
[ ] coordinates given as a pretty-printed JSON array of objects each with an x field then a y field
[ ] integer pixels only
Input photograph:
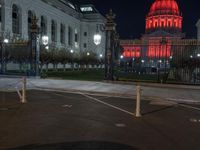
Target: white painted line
[
  {"x": 120, "y": 125},
  {"x": 191, "y": 107},
  {"x": 69, "y": 106},
  {"x": 183, "y": 100},
  {"x": 107, "y": 104}
]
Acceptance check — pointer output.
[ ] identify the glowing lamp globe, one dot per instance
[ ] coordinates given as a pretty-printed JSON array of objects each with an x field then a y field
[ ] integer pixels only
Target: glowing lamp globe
[
  {"x": 97, "y": 39},
  {"x": 45, "y": 40}
]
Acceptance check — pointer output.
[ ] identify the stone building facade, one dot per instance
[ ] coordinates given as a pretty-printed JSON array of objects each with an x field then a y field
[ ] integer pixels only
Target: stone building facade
[{"x": 67, "y": 25}]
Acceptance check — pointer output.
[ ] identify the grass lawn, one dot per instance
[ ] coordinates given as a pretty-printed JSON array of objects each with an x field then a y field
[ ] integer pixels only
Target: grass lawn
[{"x": 89, "y": 75}]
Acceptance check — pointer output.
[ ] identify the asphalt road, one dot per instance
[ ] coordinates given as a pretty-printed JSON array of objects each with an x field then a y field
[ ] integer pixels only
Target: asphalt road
[{"x": 64, "y": 121}]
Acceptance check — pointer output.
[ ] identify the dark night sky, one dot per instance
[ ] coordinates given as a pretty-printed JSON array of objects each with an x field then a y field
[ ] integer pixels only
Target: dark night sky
[{"x": 131, "y": 15}]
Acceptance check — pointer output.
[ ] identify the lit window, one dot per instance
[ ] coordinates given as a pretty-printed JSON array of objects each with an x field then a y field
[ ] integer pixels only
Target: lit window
[{"x": 86, "y": 9}]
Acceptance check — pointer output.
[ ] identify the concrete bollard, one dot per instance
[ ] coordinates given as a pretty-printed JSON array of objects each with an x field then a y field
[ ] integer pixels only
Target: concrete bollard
[
  {"x": 23, "y": 100},
  {"x": 138, "y": 101}
]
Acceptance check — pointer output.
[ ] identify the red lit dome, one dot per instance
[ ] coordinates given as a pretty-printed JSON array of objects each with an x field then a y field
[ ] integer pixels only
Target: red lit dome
[
  {"x": 164, "y": 7},
  {"x": 165, "y": 15}
]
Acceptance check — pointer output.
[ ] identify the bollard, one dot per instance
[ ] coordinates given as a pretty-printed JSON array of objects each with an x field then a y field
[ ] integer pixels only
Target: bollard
[
  {"x": 138, "y": 101},
  {"x": 23, "y": 100}
]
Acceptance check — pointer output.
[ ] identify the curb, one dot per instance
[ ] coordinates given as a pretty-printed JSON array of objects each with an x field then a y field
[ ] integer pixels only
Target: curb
[{"x": 197, "y": 87}]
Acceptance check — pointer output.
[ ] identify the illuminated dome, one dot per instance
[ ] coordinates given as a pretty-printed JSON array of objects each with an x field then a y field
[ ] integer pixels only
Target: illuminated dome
[
  {"x": 164, "y": 7},
  {"x": 165, "y": 15}
]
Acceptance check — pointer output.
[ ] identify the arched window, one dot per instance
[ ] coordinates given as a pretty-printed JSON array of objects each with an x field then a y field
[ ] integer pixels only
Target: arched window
[
  {"x": 70, "y": 36},
  {"x": 15, "y": 19},
  {"x": 62, "y": 33},
  {"x": 43, "y": 25},
  {"x": 30, "y": 18},
  {"x": 53, "y": 31}
]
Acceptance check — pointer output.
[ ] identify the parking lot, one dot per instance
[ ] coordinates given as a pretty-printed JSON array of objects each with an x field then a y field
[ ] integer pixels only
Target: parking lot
[{"x": 76, "y": 121}]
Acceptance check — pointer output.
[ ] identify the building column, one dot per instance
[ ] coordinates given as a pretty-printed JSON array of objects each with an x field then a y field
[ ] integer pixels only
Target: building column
[
  {"x": 7, "y": 18},
  {"x": 24, "y": 24}
]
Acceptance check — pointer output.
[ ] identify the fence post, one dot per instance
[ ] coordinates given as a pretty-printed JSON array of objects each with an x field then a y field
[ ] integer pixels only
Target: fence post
[
  {"x": 138, "y": 101},
  {"x": 24, "y": 90}
]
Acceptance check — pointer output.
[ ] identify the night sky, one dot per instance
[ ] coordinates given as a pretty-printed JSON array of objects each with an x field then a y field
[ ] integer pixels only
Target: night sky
[{"x": 131, "y": 15}]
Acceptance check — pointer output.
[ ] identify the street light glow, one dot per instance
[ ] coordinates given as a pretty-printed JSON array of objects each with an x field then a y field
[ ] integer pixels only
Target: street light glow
[
  {"x": 72, "y": 51},
  {"x": 191, "y": 56},
  {"x": 198, "y": 55},
  {"x": 6, "y": 41},
  {"x": 88, "y": 54},
  {"x": 142, "y": 61},
  {"x": 101, "y": 55},
  {"x": 47, "y": 47},
  {"x": 121, "y": 56},
  {"x": 97, "y": 39}
]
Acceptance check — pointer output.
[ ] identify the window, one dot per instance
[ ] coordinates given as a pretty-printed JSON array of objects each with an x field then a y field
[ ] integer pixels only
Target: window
[
  {"x": 76, "y": 37},
  {"x": 86, "y": 9},
  {"x": 15, "y": 19},
  {"x": 43, "y": 25},
  {"x": 85, "y": 45},
  {"x": 70, "y": 36},
  {"x": 62, "y": 33},
  {"x": 30, "y": 18},
  {"x": 85, "y": 33},
  {"x": 53, "y": 31},
  {"x": 0, "y": 13}
]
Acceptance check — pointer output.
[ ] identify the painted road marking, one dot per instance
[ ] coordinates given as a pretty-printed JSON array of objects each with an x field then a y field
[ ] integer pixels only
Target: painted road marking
[
  {"x": 68, "y": 106},
  {"x": 120, "y": 125},
  {"x": 191, "y": 107},
  {"x": 183, "y": 100},
  {"x": 107, "y": 104}
]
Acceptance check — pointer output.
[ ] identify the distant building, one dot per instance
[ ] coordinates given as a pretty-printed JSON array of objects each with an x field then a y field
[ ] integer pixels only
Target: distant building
[
  {"x": 163, "y": 24},
  {"x": 198, "y": 29},
  {"x": 66, "y": 24}
]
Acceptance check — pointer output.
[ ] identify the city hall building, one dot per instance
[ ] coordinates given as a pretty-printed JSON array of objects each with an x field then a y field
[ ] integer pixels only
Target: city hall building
[
  {"x": 163, "y": 25},
  {"x": 67, "y": 25}
]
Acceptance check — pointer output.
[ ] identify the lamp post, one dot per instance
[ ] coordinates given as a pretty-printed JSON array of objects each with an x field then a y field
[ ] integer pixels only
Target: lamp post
[
  {"x": 163, "y": 43},
  {"x": 35, "y": 46},
  {"x": 110, "y": 45},
  {"x": 3, "y": 67}
]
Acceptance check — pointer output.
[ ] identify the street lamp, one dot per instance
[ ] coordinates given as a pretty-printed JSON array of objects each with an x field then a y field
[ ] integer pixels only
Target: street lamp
[
  {"x": 97, "y": 39},
  {"x": 6, "y": 41},
  {"x": 101, "y": 55},
  {"x": 45, "y": 40},
  {"x": 88, "y": 54},
  {"x": 3, "y": 42},
  {"x": 71, "y": 51}
]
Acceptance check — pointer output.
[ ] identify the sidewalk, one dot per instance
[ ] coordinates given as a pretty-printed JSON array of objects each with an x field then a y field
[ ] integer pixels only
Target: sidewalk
[{"x": 178, "y": 93}]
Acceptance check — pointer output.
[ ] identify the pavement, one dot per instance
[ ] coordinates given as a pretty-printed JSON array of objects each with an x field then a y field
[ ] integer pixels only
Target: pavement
[
  {"x": 176, "y": 93},
  {"x": 81, "y": 121}
]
